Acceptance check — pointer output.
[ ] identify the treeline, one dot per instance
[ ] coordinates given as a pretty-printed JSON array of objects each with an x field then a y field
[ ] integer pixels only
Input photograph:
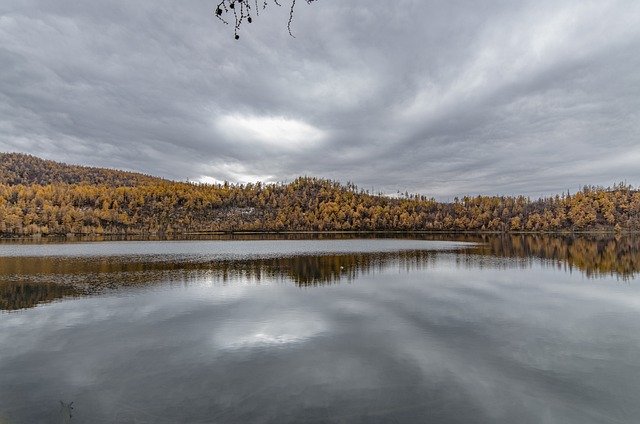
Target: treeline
[{"x": 152, "y": 206}]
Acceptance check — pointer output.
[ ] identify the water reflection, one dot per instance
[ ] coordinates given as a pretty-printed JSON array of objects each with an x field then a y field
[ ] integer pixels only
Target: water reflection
[
  {"x": 594, "y": 255},
  {"x": 29, "y": 280},
  {"x": 457, "y": 336},
  {"x": 15, "y": 296}
]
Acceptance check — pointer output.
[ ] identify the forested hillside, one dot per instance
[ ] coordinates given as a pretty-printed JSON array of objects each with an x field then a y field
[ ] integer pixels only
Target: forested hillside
[
  {"x": 18, "y": 168},
  {"x": 44, "y": 197}
]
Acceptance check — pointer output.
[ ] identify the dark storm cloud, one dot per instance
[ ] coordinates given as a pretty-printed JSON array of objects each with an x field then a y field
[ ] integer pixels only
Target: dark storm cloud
[{"x": 439, "y": 98}]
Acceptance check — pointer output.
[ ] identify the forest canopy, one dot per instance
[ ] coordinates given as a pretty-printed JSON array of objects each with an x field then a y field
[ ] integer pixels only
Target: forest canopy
[{"x": 47, "y": 198}]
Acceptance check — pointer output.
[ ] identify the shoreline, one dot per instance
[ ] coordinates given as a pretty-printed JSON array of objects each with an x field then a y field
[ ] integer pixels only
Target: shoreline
[{"x": 196, "y": 234}]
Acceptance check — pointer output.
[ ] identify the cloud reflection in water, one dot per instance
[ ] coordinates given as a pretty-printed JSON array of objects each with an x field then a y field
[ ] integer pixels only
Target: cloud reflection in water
[{"x": 413, "y": 336}]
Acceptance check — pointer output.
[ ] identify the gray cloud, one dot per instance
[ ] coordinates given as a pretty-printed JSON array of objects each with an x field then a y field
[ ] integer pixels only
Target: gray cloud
[{"x": 468, "y": 97}]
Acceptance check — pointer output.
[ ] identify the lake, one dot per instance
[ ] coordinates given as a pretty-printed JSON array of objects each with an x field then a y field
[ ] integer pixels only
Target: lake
[{"x": 465, "y": 329}]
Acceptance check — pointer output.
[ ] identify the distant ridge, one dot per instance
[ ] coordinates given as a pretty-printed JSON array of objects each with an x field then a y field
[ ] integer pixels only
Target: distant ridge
[{"x": 19, "y": 168}]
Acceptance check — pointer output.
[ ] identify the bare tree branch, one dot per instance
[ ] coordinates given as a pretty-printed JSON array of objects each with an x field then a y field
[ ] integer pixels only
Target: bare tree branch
[{"x": 242, "y": 12}]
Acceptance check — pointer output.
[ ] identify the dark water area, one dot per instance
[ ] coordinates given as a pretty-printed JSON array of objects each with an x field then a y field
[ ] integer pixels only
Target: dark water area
[{"x": 470, "y": 329}]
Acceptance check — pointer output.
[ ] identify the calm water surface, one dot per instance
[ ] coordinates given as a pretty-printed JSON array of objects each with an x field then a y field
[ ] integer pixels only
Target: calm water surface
[{"x": 501, "y": 330}]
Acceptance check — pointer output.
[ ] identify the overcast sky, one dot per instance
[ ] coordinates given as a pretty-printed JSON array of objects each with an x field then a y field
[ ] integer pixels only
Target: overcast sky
[{"x": 441, "y": 98}]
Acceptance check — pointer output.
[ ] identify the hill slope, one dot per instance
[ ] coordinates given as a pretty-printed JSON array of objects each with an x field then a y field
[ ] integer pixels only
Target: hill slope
[
  {"x": 18, "y": 168},
  {"x": 44, "y": 197}
]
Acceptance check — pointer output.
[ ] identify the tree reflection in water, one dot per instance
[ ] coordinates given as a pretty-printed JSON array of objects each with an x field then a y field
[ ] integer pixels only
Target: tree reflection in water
[
  {"x": 594, "y": 255},
  {"x": 28, "y": 281}
]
